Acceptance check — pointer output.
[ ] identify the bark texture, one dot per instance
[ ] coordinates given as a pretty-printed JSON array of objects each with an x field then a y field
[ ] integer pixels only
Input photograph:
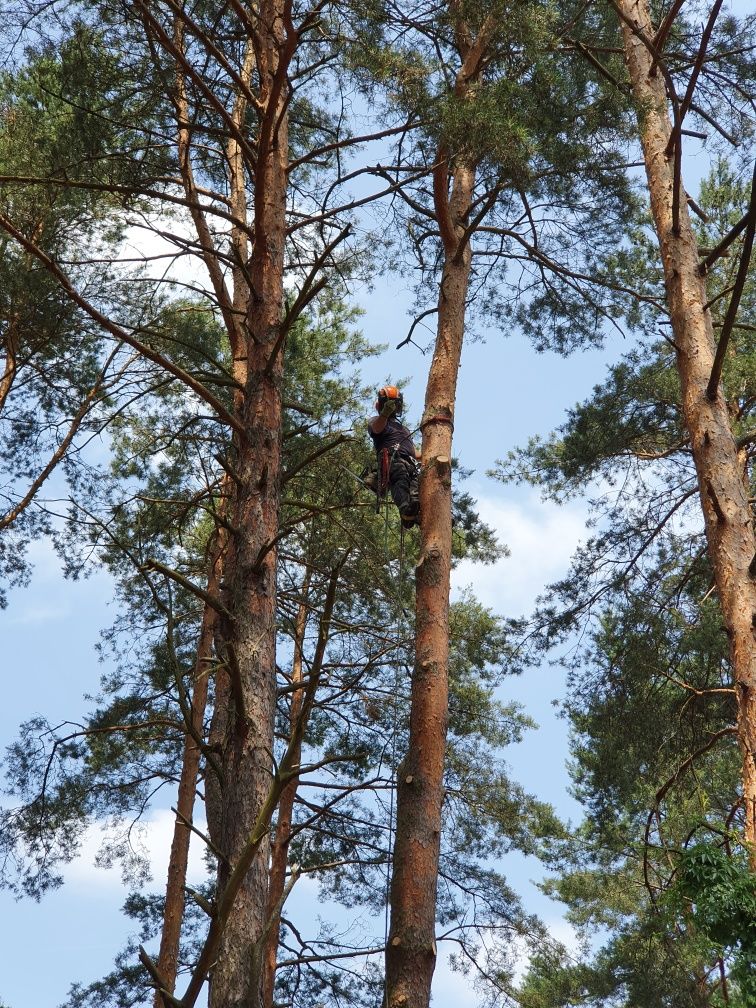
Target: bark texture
[
  {"x": 411, "y": 948},
  {"x": 178, "y": 861},
  {"x": 722, "y": 479},
  {"x": 242, "y": 729},
  {"x": 279, "y": 848}
]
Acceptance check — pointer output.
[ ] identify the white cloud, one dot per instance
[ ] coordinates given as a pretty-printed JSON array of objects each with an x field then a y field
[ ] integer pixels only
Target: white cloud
[
  {"x": 150, "y": 839},
  {"x": 541, "y": 537},
  {"x": 159, "y": 246},
  {"x": 38, "y": 614}
]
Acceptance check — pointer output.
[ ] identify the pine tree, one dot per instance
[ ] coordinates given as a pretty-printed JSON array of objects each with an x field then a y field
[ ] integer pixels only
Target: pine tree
[
  {"x": 211, "y": 144},
  {"x": 723, "y": 486},
  {"x": 650, "y": 698},
  {"x": 496, "y": 159}
]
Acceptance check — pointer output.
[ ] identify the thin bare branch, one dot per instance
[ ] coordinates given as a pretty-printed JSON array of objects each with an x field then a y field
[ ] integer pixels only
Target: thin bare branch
[
  {"x": 737, "y": 290},
  {"x": 187, "y": 584},
  {"x": 116, "y": 330},
  {"x": 688, "y": 97}
]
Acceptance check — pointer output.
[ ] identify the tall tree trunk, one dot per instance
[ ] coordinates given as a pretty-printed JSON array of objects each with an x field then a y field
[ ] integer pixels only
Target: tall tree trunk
[
  {"x": 242, "y": 729},
  {"x": 282, "y": 836},
  {"x": 722, "y": 486},
  {"x": 411, "y": 949},
  {"x": 301, "y": 707},
  {"x": 179, "y": 857}
]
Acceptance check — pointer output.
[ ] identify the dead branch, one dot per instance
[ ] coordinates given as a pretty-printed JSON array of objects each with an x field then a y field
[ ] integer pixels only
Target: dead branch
[{"x": 737, "y": 290}]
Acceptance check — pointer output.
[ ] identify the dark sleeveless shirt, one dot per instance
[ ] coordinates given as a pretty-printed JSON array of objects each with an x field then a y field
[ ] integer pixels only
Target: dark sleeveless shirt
[{"x": 394, "y": 435}]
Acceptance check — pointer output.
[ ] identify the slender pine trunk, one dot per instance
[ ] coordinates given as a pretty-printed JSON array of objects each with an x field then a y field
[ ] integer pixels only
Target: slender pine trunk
[
  {"x": 411, "y": 949},
  {"x": 178, "y": 861},
  {"x": 279, "y": 848},
  {"x": 722, "y": 482}
]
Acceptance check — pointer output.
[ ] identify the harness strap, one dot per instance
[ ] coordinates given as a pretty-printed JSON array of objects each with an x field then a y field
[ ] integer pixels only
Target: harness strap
[{"x": 384, "y": 468}]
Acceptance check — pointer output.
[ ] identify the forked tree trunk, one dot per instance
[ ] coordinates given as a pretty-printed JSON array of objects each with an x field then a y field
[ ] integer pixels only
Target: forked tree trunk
[
  {"x": 301, "y": 706},
  {"x": 282, "y": 834},
  {"x": 722, "y": 480},
  {"x": 242, "y": 730}
]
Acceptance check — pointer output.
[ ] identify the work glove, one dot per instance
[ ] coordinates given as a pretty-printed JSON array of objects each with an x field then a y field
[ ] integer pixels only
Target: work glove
[{"x": 389, "y": 408}]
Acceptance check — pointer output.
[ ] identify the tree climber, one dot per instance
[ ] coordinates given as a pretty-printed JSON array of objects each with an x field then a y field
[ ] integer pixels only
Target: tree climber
[{"x": 398, "y": 468}]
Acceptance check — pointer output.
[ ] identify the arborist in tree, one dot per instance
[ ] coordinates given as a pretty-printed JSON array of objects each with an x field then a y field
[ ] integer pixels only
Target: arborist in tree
[{"x": 398, "y": 468}]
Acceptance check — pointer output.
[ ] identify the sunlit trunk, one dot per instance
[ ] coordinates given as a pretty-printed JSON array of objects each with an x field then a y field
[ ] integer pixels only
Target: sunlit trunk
[
  {"x": 411, "y": 950},
  {"x": 179, "y": 857},
  {"x": 722, "y": 486}
]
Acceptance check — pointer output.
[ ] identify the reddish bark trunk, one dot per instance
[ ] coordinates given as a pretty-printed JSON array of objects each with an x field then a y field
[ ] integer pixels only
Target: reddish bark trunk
[
  {"x": 9, "y": 367},
  {"x": 722, "y": 488},
  {"x": 279, "y": 848},
  {"x": 179, "y": 857},
  {"x": 411, "y": 949},
  {"x": 244, "y": 715}
]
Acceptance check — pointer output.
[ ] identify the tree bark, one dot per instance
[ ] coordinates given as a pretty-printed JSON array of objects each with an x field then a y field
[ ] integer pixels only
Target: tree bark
[
  {"x": 722, "y": 483},
  {"x": 282, "y": 837},
  {"x": 301, "y": 707},
  {"x": 178, "y": 861},
  {"x": 10, "y": 339},
  {"x": 411, "y": 948},
  {"x": 242, "y": 729}
]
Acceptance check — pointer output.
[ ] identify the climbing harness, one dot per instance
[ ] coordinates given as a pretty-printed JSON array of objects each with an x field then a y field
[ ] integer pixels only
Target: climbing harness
[{"x": 384, "y": 469}]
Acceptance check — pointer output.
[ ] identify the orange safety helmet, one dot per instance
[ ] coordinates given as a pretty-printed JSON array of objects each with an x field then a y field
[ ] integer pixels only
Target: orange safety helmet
[{"x": 390, "y": 392}]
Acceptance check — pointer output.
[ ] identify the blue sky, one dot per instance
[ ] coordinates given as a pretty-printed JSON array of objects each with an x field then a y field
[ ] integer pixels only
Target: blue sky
[{"x": 506, "y": 393}]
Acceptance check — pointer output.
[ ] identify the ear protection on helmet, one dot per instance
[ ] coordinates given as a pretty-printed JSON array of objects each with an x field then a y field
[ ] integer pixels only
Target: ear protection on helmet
[{"x": 390, "y": 392}]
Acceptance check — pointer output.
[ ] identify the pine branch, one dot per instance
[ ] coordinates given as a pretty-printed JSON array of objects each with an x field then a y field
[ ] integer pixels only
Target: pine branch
[
  {"x": 205, "y": 905},
  {"x": 596, "y": 63},
  {"x": 700, "y": 57},
  {"x": 168, "y": 999},
  {"x": 416, "y": 321},
  {"x": 97, "y": 391},
  {"x": 310, "y": 288},
  {"x": 114, "y": 329},
  {"x": 719, "y": 250},
  {"x": 205, "y": 839},
  {"x": 187, "y": 584},
  {"x": 737, "y": 290}
]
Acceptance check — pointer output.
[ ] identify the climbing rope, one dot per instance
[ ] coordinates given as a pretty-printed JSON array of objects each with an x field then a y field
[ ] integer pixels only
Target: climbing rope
[
  {"x": 398, "y": 587},
  {"x": 392, "y": 794},
  {"x": 392, "y": 790}
]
